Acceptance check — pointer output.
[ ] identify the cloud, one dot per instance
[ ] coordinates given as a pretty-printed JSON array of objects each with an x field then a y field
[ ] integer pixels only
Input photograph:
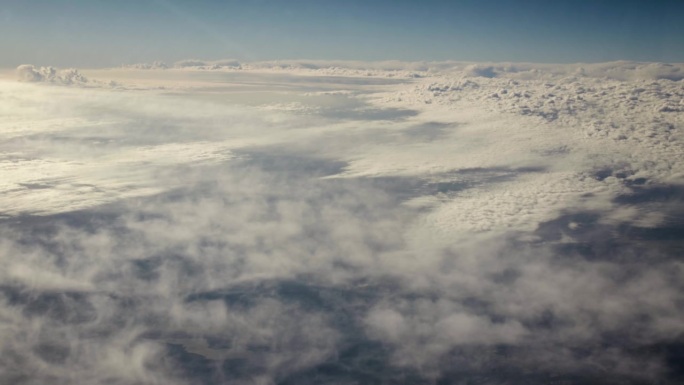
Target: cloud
[
  {"x": 157, "y": 65},
  {"x": 154, "y": 281},
  {"x": 205, "y": 272},
  {"x": 424, "y": 331},
  {"x": 618, "y": 70},
  {"x": 29, "y": 73},
  {"x": 174, "y": 236},
  {"x": 203, "y": 64},
  {"x": 113, "y": 143}
]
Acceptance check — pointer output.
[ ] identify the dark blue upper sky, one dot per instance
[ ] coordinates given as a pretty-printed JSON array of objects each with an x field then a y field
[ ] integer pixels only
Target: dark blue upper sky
[{"x": 106, "y": 33}]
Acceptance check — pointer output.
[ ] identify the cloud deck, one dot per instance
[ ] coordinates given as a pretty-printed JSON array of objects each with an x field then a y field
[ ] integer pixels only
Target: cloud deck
[{"x": 342, "y": 222}]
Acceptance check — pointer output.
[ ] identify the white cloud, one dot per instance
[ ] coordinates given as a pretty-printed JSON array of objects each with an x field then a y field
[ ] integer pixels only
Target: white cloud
[
  {"x": 258, "y": 243},
  {"x": 31, "y": 74}
]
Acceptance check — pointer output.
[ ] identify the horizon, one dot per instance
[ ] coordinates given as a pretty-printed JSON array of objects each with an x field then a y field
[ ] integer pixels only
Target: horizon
[
  {"x": 323, "y": 63},
  {"x": 98, "y": 34},
  {"x": 445, "y": 192}
]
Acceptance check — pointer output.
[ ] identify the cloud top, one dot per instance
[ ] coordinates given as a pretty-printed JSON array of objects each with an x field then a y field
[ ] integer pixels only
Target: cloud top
[{"x": 31, "y": 74}]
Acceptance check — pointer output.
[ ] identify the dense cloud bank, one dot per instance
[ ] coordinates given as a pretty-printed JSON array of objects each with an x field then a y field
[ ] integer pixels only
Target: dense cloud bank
[{"x": 437, "y": 235}]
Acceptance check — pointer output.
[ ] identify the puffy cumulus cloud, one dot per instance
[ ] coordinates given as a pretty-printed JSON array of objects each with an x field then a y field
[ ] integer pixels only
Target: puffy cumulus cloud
[{"x": 30, "y": 73}]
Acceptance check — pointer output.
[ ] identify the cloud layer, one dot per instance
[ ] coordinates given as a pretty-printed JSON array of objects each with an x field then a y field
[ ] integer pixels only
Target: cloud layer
[{"x": 304, "y": 228}]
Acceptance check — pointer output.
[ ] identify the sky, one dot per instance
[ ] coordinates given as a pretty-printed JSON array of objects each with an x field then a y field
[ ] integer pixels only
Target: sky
[
  {"x": 339, "y": 223},
  {"x": 99, "y": 33}
]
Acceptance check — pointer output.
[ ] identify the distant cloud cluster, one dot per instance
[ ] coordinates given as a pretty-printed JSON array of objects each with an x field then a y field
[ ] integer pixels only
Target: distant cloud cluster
[
  {"x": 148, "y": 66},
  {"x": 615, "y": 70},
  {"x": 29, "y": 73},
  {"x": 620, "y": 70},
  {"x": 187, "y": 63}
]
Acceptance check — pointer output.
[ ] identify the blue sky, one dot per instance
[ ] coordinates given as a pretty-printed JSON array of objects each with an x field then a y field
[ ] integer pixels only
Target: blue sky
[{"x": 92, "y": 33}]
